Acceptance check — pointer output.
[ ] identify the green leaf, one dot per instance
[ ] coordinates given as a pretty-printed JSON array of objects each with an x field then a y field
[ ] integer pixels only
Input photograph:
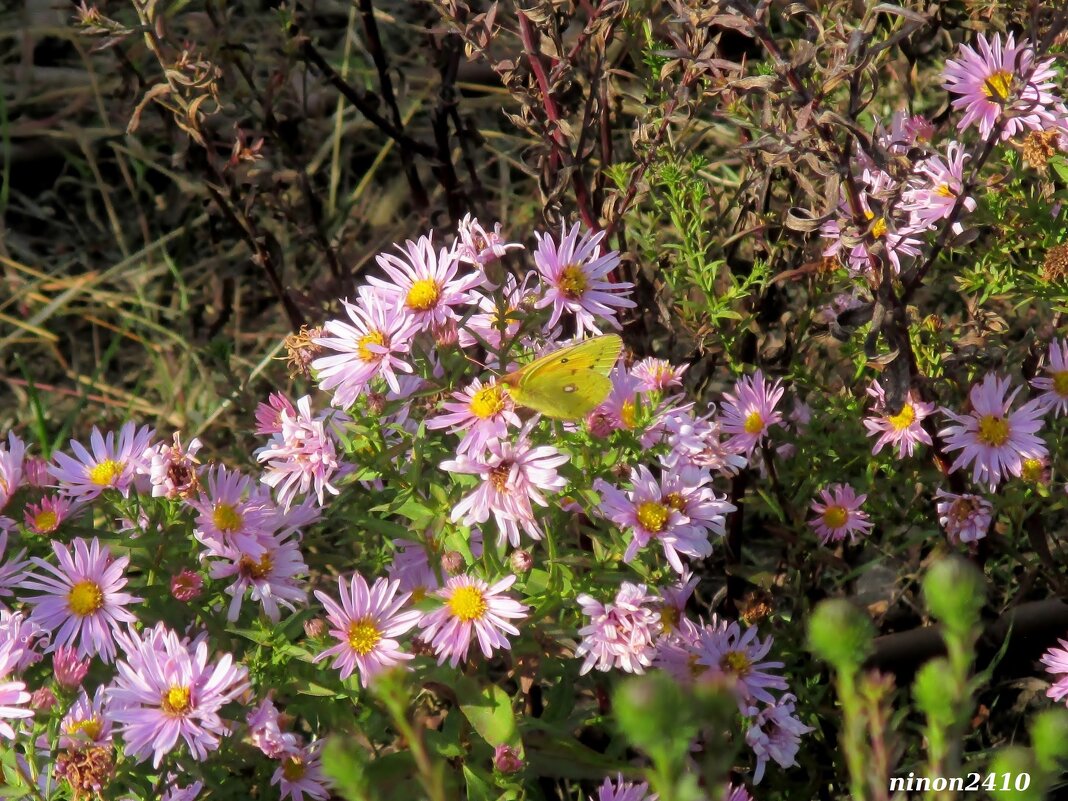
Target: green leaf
[
  {"x": 489, "y": 710},
  {"x": 477, "y": 788},
  {"x": 346, "y": 766}
]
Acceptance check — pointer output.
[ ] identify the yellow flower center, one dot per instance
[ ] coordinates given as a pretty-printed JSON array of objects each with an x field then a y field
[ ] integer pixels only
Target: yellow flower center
[
  {"x": 363, "y": 635},
  {"x": 45, "y": 522},
  {"x": 499, "y": 477},
  {"x": 1060, "y": 383},
  {"x": 573, "y": 282},
  {"x": 879, "y": 229},
  {"x": 675, "y": 501},
  {"x": 902, "y": 419},
  {"x": 468, "y": 603},
  {"x": 105, "y": 473},
  {"x": 997, "y": 86},
  {"x": 424, "y": 295},
  {"x": 256, "y": 570},
  {"x": 371, "y": 338},
  {"x": 90, "y": 728},
  {"x": 1033, "y": 470},
  {"x": 628, "y": 415},
  {"x": 993, "y": 431},
  {"x": 653, "y": 516},
  {"x": 669, "y": 618},
  {"x": 176, "y": 701},
  {"x": 945, "y": 191},
  {"x": 835, "y": 516},
  {"x": 487, "y": 402},
  {"x": 85, "y": 598},
  {"x": 735, "y": 662},
  {"x": 293, "y": 769},
  {"x": 754, "y": 423},
  {"x": 226, "y": 518}
]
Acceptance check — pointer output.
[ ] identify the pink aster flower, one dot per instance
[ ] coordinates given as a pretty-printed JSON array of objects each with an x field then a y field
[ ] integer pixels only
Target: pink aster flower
[
  {"x": 267, "y": 735},
  {"x": 12, "y": 567},
  {"x": 726, "y": 651},
  {"x": 372, "y": 346},
  {"x": 649, "y": 515},
  {"x": 472, "y": 609},
  {"x": 233, "y": 513},
  {"x": 575, "y": 271},
  {"x": 111, "y": 465},
  {"x": 188, "y": 793},
  {"x": 1056, "y": 662},
  {"x": 657, "y": 375},
  {"x": 423, "y": 285},
  {"x": 86, "y": 723},
  {"x": 902, "y": 430},
  {"x": 620, "y": 410},
  {"x": 507, "y": 306},
  {"x": 269, "y": 414},
  {"x": 673, "y": 600},
  {"x": 899, "y": 238},
  {"x": 173, "y": 468},
  {"x": 749, "y": 412},
  {"x": 68, "y": 668},
  {"x": 46, "y": 516},
  {"x": 736, "y": 793},
  {"x": 480, "y": 247},
  {"x": 25, "y": 637},
  {"x": 83, "y": 603},
  {"x": 623, "y": 791},
  {"x": 1003, "y": 82},
  {"x": 302, "y": 457},
  {"x": 696, "y": 441},
  {"x": 167, "y": 689},
  {"x": 620, "y": 634},
  {"x": 481, "y": 412},
  {"x": 14, "y": 700},
  {"x": 271, "y": 575},
  {"x": 775, "y": 734},
  {"x": 939, "y": 182},
  {"x": 513, "y": 476},
  {"x": 301, "y": 774},
  {"x": 992, "y": 437},
  {"x": 839, "y": 514},
  {"x": 12, "y": 457},
  {"x": 1055, "y": 384},
  {"x": 366, "y": 624},
  {"x": 966, "y": 518}
]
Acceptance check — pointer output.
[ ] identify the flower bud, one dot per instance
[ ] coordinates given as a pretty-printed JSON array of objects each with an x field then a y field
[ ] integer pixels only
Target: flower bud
[
  {"x": 187, "y": 585},
  {"x": 452, "y": 562},
  {"x": 522, "y": 561},
  {"x": 507, "y": 760}
]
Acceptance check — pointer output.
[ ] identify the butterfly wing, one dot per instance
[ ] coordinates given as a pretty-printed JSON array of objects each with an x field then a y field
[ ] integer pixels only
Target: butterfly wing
[{"x": 569, "y": 383}]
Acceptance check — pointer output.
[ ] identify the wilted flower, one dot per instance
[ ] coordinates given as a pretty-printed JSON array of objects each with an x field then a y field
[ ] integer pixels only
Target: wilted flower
[
  {"x": 775, "y": 733},
  {"x": 966, "y": 518},
  {"x": 173, "y": 469},
  {"x": 619, "y": 634}
]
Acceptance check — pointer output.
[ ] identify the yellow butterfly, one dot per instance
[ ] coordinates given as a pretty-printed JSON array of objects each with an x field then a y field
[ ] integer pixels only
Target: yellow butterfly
[{"x": 568, "y": 383}]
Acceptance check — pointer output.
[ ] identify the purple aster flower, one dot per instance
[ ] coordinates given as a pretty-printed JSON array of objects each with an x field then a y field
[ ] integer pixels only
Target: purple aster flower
[
  {"x": 1055, "y": 384},
  {"x": 991, "y": 437},
  {"x": 620, "y": 410},
  {"x": 472, "y": 609},
  {"x": 749, "y": 412},
  {"x": 481, "y": 412},
  {"x": 621, "y": 633},
  {"x": 736, "y": 793},
  {"x": 649, "y": 515},
  {"x": 188, "y": 793},
  {"x": 673, "y": 600},
  {"x": 623, "y": 791},
  {"x": 267, "y": 735},
  {"x": 697, "y": 441},
  {"x": 513, "y": 475},
  {"x": 86, "y": 723},
  {"x": 269, "y": 414},
  {"x": 687, "y": 489},
  {"x": 775, "y": 733},
  {"x": 271, "y": 575},
  {"x": 301, "y": 774},
  {"x": 46, "y": 516},
  {"x": 966, "y": 518},
  {"x": 302, "y": 457},
  {"x": 412, "y": 570},
  {"x": 14, "y": 699},
  {"x": 727, "y": 651},
  {"x": 423, "y": 286},
  {"x": 839, "y": 514},
  {"x": 657, "y": 375},
  {"x": 12, "y": 568},
  {"x": 25, "y": 638},
  {"x": 233, "y": 513},
  {"x": 12, "y": 457},
  {"x": 111, "y": 465},
  {"x": 903, "y": 430},
  {"x": 1003, "y": 81},
  {"x": 899, "y": 238},
  {"x": 167, "y": 689},
  {"x": 575, "y": 271},
  {"x": 936, "y": 187},
  {"x": 1056, "y": 662},
  {"x": 371, "y": 346},
  {"x": 83, "y": 603},
  {"x": 366, "y": 624}
]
